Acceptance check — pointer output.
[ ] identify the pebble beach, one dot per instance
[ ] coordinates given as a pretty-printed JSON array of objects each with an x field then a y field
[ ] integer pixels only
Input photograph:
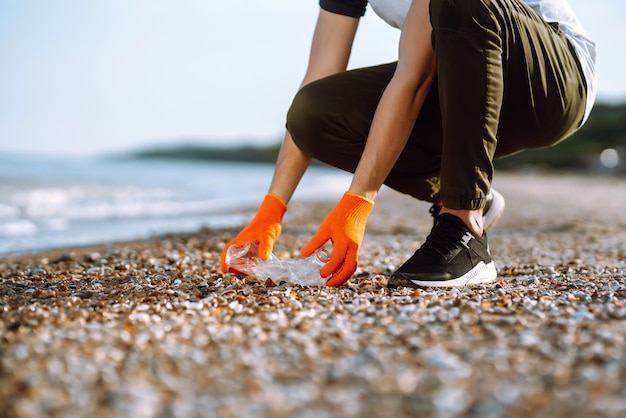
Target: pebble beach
[{"x": 152, "y": 328}]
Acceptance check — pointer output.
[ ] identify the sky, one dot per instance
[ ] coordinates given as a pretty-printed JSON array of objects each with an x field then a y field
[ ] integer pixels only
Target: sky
[{"x": 83, "y": 78}]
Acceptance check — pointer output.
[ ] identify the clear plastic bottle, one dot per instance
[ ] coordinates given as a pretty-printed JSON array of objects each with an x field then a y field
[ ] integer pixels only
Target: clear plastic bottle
[{"x": 302, "y": 271}]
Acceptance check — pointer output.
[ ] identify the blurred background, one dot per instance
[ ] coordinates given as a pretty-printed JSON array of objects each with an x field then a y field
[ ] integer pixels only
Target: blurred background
[{"x": 122, "y": 119}]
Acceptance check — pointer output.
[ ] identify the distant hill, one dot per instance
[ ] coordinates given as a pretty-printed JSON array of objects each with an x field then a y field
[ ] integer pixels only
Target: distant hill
[
  {"x": 606, "y": 128},
  {"x": 243, "y": 153}
]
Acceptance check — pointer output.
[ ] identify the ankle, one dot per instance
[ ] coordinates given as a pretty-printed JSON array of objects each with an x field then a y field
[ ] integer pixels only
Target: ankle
[{"x": 473, "y": 219}]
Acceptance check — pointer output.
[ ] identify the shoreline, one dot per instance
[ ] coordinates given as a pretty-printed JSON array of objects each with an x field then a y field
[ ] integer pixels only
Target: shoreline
[
  {"x": 597, "y": 205},
  {"x": 92, "y": 202},
  {"x": 153, "y": 328}
]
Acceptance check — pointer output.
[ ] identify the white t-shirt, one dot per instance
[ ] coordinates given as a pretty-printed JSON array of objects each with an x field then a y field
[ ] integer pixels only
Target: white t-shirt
[{"x": 394, "y": 12}]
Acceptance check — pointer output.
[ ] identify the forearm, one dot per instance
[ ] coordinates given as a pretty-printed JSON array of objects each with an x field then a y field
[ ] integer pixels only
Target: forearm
[
  {"x": 330, "y": 51},
  {"x": 392, "y": 124},
  {"x": 291, "y": 165},
  {"x": 400, "y": 104}
]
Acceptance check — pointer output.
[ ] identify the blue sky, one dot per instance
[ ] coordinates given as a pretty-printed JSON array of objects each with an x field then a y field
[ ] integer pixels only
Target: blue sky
[{"x": 84, "y": 77}]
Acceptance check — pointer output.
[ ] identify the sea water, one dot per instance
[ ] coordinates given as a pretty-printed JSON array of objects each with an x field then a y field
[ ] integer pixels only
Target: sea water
[{"x": 51, "y": 202}]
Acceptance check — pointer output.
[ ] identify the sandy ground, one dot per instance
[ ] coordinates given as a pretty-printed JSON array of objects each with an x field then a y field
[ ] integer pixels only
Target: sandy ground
[{"x": 153, "y": 329}]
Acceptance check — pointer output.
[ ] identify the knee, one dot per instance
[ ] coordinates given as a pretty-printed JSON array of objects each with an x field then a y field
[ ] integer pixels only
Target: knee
[{"x": 305, "y": 120}]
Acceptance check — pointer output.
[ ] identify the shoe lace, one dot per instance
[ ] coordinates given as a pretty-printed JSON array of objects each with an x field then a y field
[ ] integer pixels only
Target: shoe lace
[{"x": 442, "y": 241}]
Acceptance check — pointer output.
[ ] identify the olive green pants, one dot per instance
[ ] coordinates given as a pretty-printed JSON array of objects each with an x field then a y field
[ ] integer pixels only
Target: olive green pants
[{"x": 506, "y": 81}]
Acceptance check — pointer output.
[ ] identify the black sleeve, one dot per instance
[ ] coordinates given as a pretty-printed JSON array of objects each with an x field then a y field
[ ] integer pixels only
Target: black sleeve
[{"x": 352, "y": 8}]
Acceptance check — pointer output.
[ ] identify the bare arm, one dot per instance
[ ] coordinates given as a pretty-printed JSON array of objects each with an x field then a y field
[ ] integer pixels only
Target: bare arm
[
  {"x": 400, "y": 104},
  {"x": 330, "y": 51}
]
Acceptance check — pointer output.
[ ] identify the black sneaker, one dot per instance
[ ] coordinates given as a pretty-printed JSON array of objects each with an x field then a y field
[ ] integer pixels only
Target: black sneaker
[
  {"x": 451, "y": 256},
  {"x": 494, "y": 207}
]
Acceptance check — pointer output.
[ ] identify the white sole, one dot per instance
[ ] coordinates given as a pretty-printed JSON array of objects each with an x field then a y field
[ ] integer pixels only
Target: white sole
[{"x": 481, "y": 274}]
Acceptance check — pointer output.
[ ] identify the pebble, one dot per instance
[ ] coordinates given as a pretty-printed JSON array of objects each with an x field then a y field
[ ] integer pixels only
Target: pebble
[{"x": 83, "y": 294}]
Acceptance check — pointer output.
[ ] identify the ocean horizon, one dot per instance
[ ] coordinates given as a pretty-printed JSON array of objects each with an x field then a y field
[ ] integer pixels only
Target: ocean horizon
[{"x": 50, "y": 202}]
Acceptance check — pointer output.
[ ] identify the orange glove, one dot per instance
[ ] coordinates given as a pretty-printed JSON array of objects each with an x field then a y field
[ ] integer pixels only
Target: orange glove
[
  {"x": 264, "y": 228},
  {"x": 345, "y": 227}
]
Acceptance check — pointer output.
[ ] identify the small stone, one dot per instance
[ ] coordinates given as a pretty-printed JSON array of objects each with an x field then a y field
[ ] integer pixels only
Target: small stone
[
  {"x": 83, "y": 294},
  {"x": 47, "y": 293},
  {"x": 64, "y": 258}
]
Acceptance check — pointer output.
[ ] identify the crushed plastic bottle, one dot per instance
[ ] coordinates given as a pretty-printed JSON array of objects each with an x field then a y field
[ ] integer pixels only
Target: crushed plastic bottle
[{"x": 302, "y": 271}]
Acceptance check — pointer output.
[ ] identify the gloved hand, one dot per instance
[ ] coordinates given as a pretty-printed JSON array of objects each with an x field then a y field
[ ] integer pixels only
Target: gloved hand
[
  {"x": 264, "y": 228},
  {"x": 345, "y": 227}
]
